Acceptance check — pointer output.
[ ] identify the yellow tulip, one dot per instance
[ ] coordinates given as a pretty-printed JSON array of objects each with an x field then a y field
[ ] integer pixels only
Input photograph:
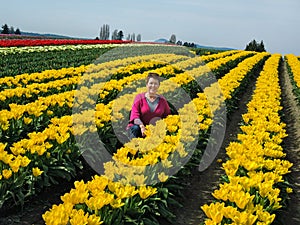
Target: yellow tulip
[
  {"x": 94, "y": 220},
  {"x": 6, "y": 173},
  {"x": 36, "y": 171},
  {"x": 163, "y": 177},
  {"x": 145, "y": 192},
  {"x": 78, "y": 217},
  {"x": 27, "y": 120},
  {"x": 214, "y": 211},
  {"x": 117, "y": 203}
]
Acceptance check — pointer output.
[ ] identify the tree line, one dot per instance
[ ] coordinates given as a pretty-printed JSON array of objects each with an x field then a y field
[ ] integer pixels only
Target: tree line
[
  {"x": 116, "y": 34},
  {"x": 10, "y": 30},
  {"x": 255, "y": 46}
]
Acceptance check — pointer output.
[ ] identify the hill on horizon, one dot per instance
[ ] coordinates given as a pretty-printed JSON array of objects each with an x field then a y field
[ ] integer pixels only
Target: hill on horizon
[
  {"x": 47, "y": 35},
  {"x": 163, "y": 40}
]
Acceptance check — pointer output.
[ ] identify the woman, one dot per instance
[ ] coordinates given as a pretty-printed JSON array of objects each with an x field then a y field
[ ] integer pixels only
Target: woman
[{"x": 147, "y": 107}]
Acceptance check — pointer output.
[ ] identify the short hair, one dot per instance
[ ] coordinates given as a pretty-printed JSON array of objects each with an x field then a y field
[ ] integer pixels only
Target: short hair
[{"x": 154, "y": 76}]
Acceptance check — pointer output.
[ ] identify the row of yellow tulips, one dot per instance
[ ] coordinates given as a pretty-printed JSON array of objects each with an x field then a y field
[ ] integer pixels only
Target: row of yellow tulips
[
  {"x": 231, "y": 81},
  {"x": 249, "y": 195},
  {"x": 294, "y": 64},
  {"x": 24, "y": 79}
]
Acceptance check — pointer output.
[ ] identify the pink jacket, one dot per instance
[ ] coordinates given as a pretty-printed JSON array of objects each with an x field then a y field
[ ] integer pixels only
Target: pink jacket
[{"x": 141, "y": 110}]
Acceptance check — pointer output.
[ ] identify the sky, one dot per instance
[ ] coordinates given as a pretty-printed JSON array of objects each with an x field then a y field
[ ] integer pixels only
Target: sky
[{"x": 219, "y": 23}]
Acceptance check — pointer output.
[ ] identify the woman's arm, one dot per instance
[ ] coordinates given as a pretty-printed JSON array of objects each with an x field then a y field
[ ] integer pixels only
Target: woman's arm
[{"x": 135, "y": 114}]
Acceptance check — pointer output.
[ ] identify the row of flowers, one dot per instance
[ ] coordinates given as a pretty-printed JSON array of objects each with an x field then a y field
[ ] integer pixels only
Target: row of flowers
[
  {"x": 171, "y": 137},
  {"x": 293, "y": 64},
  {"x": 23, "y": 80},
  {"x": 231, "y": 80},
  {"x": 43, "y": 42},
  {"x": 253, "y": 187}
]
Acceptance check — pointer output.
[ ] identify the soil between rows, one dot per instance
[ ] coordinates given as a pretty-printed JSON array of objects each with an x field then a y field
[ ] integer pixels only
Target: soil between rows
[{"x": 291, "y": 145}]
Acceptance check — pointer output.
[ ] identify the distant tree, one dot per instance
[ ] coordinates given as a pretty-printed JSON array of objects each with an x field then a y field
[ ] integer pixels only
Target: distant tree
[
  {"x": 120, "y": 35},
  {"x": 11, "y": 30},
  {"x": 5, "y": 29},
  {"x": 132, "y": 37},
  {"x": 254, "y": 46},
  {"x": 179, "y": 42},
  {"x": 173, "y": 39},
  {"x": 138, "y": 37},
  {"x": 261, "y": 47},
  {"x": 188, "y": 44},
  {"x": 114, "y": 35},
  {"x": 18, "y": 32},
  {"x": 104, "y": 32}
]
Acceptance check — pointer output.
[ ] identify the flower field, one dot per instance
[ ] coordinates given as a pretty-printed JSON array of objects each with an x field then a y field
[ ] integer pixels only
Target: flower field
[{"x": 65, "y": 105}]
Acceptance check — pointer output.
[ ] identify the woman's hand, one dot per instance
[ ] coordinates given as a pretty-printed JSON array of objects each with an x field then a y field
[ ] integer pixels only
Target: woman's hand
[{"x": 142, "y": 129}]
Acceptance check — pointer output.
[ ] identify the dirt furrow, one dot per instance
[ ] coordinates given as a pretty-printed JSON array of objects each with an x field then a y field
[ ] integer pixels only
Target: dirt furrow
[{"x": 291, "y": 110}]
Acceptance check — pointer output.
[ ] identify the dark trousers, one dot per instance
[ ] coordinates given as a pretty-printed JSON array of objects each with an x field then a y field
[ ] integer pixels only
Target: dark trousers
[{"x": 135, "y": 131}]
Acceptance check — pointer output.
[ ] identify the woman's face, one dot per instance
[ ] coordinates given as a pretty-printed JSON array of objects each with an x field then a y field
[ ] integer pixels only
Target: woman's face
[{"x": 152, "y": 85}]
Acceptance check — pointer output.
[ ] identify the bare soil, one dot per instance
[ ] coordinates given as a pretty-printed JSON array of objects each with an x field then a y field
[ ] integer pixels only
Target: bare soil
[{"x": 291, "y": 110}]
